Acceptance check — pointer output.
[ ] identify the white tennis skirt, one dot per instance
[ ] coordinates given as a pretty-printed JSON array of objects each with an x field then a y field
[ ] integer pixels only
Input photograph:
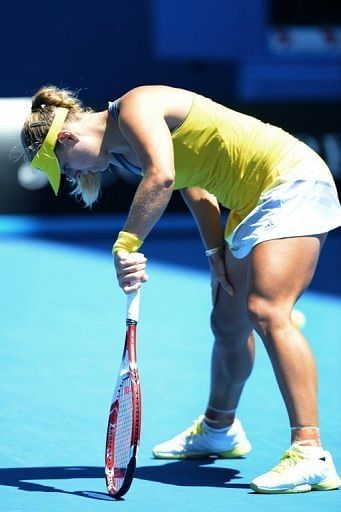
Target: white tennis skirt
[{"x": 306, "y": 204}]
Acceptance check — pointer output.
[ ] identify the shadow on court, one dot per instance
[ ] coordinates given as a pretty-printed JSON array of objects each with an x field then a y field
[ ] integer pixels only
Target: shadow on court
[
  {"x": 21, "y": 478},
  {"x": 181, "y": 473},
  {"x": 189, "y": 473}
]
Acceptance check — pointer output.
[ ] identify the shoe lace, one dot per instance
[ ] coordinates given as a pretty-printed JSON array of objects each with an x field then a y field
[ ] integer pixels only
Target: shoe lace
[
  {"x": 194, "y": 430},
  {"x": 289, "y": 458}
]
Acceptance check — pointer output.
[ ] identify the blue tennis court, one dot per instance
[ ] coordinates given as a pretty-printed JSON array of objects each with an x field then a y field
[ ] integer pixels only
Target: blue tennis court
[{"x": 62, "y": 318}]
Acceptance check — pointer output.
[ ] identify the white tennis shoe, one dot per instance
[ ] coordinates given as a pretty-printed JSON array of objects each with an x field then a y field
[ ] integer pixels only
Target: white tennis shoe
[
  {"x": 301, "y": 469},
  {"x": 198, "y": 442}
]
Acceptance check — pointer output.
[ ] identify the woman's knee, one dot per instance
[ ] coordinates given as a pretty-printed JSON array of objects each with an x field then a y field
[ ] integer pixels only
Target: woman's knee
[
  {"x": 231, "y": 327},
  {"x": 266, "y": 315}
]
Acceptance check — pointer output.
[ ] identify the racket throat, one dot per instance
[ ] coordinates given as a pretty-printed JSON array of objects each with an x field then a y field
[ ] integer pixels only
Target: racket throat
[{"x": 129, "y": 322}]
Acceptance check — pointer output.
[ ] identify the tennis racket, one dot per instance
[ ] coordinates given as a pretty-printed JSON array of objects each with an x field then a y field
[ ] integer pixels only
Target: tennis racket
[{"x": 123, "y": 434}]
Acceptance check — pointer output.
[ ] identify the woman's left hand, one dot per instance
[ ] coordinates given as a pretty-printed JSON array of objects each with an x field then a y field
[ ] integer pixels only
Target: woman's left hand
[
  {"x": 130, "y": 270},
  {"x": 219, "y": 271}
]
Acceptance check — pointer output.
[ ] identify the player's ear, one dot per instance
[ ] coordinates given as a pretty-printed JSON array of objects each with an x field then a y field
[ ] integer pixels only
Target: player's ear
[{"x": 66, "y": 137}]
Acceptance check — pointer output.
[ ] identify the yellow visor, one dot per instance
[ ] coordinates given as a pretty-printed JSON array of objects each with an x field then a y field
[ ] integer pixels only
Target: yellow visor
[{"x": 45, "y": 159}]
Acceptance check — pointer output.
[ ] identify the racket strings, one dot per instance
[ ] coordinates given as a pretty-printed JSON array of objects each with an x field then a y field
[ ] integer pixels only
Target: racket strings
[
  {"x": 124, "y": 423},
  {"x": 123, "y": 432}
]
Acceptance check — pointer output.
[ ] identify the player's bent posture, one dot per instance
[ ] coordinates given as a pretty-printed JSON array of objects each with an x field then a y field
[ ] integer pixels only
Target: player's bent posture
[{"x": 282, "y": 202}]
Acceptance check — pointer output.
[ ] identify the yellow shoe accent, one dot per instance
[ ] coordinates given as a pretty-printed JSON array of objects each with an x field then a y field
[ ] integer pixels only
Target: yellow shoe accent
[
  {"x": 301, "y": 469},
  {"x": 198, "y": 443},
  {"x": 289, "y": 458},
  {"x": 298, "y": 488},
  {"x": 236, "y": 453},
  {"x": 327, "y": 485}
]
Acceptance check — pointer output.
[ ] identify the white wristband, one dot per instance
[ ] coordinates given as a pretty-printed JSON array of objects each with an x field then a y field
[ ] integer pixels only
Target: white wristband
[{"x": 210, "y": 252}]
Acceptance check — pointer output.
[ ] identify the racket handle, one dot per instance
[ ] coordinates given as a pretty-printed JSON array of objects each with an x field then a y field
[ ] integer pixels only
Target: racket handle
[{"x": 133, "y": 306}]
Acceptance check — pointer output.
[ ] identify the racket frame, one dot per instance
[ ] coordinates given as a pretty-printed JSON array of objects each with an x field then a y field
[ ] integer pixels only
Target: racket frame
[{"x": 130, "y": 356}]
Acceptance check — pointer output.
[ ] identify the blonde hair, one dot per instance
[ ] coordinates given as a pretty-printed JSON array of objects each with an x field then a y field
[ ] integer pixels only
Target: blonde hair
[
  {"x": 37, "y": 125},
  {"x": 87, "y": 188}
]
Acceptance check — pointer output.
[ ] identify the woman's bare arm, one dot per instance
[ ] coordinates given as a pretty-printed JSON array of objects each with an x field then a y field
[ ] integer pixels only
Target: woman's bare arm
[
  {"x": 206, "y": 212},
  {"x": 143, "y": 124}
]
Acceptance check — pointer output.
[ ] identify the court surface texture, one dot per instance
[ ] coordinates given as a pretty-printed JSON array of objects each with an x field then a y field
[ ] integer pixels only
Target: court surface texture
[{"x": 62, "y": 331}]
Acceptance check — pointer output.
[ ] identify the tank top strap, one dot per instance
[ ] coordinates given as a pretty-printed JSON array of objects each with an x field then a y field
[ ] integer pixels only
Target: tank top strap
[
  {"x": 118, "y": 158},
  {"x": 113, "y": 109}
]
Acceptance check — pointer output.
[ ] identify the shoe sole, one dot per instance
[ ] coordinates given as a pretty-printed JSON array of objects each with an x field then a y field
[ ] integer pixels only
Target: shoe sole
[
  {"x": 330, "y": 484},
  {"x": 235, "y": 453}
]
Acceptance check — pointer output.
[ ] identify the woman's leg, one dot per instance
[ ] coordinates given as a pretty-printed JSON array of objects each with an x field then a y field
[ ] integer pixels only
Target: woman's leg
[
  {"x": 233, "y": 350},
  {"x": 232, "y": 361},
  {"x": 280, "y": 270}
]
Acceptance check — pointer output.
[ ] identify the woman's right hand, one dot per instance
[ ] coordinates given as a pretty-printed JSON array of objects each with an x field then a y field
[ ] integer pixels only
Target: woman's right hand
[
  {"x": 130, "y": 270},
  {"x": 218, "y": 270}
]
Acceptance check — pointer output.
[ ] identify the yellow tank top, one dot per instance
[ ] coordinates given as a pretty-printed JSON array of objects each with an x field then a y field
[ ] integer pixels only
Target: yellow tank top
[{"x": 231, "y": 155}]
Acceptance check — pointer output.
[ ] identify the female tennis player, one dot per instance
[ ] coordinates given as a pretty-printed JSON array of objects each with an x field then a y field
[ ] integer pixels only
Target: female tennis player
[{"x": 282, "y": 201}]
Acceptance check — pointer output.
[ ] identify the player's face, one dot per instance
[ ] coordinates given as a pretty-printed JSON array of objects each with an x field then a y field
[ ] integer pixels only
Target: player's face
[{"x": 80, "y": 155}]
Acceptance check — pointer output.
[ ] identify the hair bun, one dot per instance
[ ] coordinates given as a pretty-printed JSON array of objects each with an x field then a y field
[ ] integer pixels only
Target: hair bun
[{"x": 51, "y": 96}]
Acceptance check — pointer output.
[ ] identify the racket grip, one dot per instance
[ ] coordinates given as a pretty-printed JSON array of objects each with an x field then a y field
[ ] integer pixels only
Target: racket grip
[{"x": 133, "y": 306}]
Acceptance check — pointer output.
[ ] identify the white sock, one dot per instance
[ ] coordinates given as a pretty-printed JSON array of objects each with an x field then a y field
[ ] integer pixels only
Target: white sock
[
  {"x": 306, "y": 447},
  {"x": 211, "y": 430}
]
